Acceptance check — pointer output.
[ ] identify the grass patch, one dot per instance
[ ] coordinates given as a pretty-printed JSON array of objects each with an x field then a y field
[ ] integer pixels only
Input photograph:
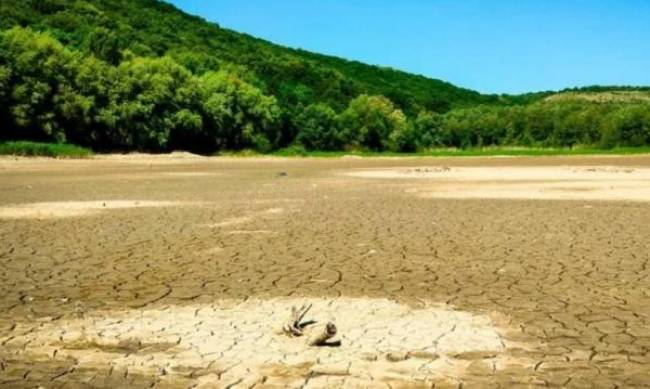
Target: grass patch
[
  {"x": 471, "y": 152},
  {"x": 34, "y": 149}
]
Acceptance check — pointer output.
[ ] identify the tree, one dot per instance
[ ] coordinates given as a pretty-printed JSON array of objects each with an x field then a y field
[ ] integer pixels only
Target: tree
[
  {"x": 318, "y": 128},
  {"x": 105, "y": 44},
  {"x": 5, "y": 77},
  {"x": 628, "y": 126},
  {"x": 404, "y": 138},
  {"x": 430, "y": 131},
  {"x": 84, "y": 105},
  {"x": 237, "y": 115},
  {"x": 369, "y": 121},
  {"x": 196, "y": 62},
  {"x": 150, "y": 100},
  {"x": 40, "y": 69}
]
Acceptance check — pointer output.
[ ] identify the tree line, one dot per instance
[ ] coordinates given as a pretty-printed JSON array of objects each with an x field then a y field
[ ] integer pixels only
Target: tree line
[
  {"x": 53, "y": 92},
  {"x": 50, "y": 92}
]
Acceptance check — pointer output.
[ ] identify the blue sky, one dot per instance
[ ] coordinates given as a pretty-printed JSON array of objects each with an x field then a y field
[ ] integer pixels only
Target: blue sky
[{"x": 494, "y": 46}]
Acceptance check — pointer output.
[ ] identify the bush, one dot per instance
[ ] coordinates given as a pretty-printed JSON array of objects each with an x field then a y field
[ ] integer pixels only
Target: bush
[
  {"x": 292, "y": 151},
  {"x": 57, "y": 150}
]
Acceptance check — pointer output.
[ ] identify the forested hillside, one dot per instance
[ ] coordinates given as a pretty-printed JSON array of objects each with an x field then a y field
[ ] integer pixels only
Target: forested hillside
[{"x": 142, "y": 75}]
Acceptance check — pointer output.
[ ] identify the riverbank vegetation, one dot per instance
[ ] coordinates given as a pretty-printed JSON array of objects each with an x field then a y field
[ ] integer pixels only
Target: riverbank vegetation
[{"x": 37, "y": 149}]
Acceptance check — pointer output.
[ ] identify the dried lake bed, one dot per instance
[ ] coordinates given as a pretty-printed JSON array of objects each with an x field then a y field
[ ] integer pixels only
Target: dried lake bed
[{"x": 176, "y": 271}]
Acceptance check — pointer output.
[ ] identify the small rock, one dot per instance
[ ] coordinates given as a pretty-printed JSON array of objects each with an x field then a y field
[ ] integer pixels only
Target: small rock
[{"x": 397, "y": 356}]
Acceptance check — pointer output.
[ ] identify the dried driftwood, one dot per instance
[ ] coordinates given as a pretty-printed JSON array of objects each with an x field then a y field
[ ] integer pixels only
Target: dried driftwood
[
  {"x": 297, "y": 326},
  {"x": 321, "y": 334}
]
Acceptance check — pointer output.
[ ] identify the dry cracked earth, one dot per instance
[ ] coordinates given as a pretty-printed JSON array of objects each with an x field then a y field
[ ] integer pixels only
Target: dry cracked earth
[{"x": 177, "y": 272}]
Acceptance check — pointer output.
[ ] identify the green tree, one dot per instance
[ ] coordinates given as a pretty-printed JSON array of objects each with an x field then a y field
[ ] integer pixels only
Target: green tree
[
  {"x": 83, "y": 107},
  {"x": 628, "y": 126},
  {"x": 430, "y": 131},
  {"x": 405, "y": 138},
  {"x": 318, "y": 128},
  {"x": 105, "y": 44},
  {"x": 5, "y": 77},
  {"x": 237, "y": 114},
  {"x": 540, "y": 123},
  {"x": 40, "y": 69},
  {"x": 150, "y": 100},
  {"x": 369, "y": 121}
]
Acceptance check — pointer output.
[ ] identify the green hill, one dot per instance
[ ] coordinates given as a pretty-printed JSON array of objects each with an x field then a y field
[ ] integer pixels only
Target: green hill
[
  {"x": 141, "y": 74},
  {"x": 154, "y": 28}
]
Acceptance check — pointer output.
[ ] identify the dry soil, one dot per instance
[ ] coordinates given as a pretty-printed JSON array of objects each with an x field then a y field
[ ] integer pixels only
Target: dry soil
[{"x": 178, "y": 271}]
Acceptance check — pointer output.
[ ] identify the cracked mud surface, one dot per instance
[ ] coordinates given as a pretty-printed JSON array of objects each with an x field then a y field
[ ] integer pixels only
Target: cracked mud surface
[{"x": 182, "y": 279}]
